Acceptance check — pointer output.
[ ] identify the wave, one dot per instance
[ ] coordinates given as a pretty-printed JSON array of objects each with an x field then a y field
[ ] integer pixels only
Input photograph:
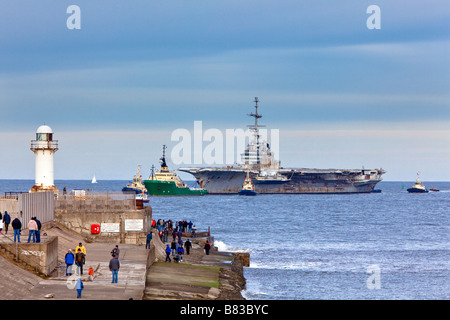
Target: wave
[
  {"x": 222, "y": 246},
  {"x": 286, "y": 266}
]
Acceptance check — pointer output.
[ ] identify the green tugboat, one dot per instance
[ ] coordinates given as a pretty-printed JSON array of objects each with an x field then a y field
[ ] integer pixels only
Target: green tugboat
[{"x": 166, "y": 183}]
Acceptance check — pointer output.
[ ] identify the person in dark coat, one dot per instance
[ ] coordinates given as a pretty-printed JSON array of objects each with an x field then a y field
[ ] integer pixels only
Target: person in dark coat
[
  {"x": 17, "y": 225},
  {"x": 38, "y": 231},
  {"x": 114, "y": 266},
  {"x": 79, "y": 261},
  {"x": 188, "y": 246},
  {"x": 207, "y": 247},
  {"x": 149, "y": 239},
  {"x": 6, "y": 221},
  {"x": 173, "y": 246},
  {"x": 115, "y": 252}
]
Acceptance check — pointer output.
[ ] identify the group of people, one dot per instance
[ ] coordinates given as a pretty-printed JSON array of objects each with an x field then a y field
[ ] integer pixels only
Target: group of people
[
  {"x": 181, "y": 225},
  {"x": 167, "y": 227},
  {"x": 34, "y": 227},
  {"x": 79, "y": 259},
  {"x": 177, "y": 250}
]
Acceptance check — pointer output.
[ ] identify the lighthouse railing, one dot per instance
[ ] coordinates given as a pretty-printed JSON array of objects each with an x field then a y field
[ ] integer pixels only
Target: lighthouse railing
[{"x": 44, "y": 145}]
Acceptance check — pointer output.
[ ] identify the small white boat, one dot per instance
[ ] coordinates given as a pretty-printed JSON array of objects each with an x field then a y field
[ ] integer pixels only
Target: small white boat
[{"x": 94, "y": 180}]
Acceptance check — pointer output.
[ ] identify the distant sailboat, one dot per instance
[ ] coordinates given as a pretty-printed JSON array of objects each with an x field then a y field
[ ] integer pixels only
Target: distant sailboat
[{"x": 94, "y": 180}]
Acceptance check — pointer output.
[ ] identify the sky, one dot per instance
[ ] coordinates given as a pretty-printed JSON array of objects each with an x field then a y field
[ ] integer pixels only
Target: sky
[{"x": 341, "y": 95}]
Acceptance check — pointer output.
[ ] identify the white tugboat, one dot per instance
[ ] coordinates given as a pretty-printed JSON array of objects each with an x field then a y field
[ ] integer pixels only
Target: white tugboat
[{"x": 418, "y": 187}]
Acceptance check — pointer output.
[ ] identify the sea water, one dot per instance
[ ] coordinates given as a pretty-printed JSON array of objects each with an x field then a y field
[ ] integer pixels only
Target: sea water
[{"x": 388, "y": 245}]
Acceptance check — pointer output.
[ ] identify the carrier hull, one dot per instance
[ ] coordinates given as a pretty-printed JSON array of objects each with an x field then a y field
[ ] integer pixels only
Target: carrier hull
[{"x": 300, "y": 181}]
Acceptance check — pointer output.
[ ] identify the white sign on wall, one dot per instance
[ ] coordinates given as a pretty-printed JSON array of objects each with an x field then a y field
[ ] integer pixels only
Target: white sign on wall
[
  {"x": 110, "y": 227},
  {"x": 134, "y": 225}
]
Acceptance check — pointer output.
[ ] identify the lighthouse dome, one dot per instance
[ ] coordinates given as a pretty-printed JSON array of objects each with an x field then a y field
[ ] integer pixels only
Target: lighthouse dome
[{"x": 44, "y": 129}]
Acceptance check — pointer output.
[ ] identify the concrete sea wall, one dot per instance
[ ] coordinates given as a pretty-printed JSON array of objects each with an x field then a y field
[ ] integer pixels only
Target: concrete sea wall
[{"x": 122, "y": 226}]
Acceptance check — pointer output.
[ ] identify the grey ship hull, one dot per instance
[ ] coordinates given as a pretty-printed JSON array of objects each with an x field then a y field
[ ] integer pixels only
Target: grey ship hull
[{"x": 300, "y": 181}]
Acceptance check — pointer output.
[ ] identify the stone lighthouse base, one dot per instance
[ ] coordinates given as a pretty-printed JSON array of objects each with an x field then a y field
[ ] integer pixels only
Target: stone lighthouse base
[{"x": 41, "y": 188}]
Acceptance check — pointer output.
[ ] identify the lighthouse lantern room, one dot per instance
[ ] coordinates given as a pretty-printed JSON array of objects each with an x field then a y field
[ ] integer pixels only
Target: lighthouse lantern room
[{"x": 44, "y": 148}]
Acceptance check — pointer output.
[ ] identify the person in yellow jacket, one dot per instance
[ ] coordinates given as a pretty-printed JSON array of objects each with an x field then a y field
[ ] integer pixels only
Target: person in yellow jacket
[{"x": 81, "y": 247}]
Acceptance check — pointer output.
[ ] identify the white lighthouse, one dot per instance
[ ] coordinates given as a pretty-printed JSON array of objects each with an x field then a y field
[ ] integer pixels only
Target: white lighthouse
[{"x": 44, "y": 148}]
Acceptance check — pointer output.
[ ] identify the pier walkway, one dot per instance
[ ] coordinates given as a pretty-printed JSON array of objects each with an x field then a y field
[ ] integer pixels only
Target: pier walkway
[
  {"x": 18, "y": 284},
  {"x": 131, "y": 278},
  {"x": 199, "y": 277}
]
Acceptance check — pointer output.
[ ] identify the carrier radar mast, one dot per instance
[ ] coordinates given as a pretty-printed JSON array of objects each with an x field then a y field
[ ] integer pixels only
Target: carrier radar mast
[{"x": 257, "y": 116}]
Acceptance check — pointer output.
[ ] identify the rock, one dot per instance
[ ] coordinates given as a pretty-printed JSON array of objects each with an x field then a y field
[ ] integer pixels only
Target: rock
[
  {"x": 213, "y": 293},
  {"x": 244, "y": 257},
  {"x": 49, "y": 296}
]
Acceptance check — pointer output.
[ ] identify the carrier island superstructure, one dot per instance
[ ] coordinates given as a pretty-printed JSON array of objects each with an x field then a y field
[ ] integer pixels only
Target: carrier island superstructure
[{"x": 269, "y": 177}]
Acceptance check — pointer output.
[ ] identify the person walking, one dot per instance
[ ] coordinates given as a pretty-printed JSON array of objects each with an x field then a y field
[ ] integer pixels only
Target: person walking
[
  {"x": 80, "y": 260},
  {"x": 6, "y": 221},
  {"x": 188, "y": 246},
  {"x": 69, "y": 259},
  {"x": 32, "y": 227},
  {"x": 115, "y": 252},
  {"x": 207, "y": 247},
  {"x": 114, "y": 266},
  {"x": 79, "y": 286},
  {"x": 168, "y": 250},
  {"x": 17, "y": 225},
  {"x": 149, "y": 239}
]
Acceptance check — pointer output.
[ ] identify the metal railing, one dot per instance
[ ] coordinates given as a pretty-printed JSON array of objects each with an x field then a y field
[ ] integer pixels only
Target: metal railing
[
  {"x": 94, "y": 201},
  {"x": 11, "y": 195},
  {"x": 44, "y": 145}
]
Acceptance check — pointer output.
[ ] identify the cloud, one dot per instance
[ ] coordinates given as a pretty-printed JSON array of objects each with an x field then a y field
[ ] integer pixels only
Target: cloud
[{"x": 363, "y": 82}]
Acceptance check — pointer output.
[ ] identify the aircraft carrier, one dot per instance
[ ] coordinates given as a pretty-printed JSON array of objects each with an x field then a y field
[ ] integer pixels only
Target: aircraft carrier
[{"x": 270, "y": 178}]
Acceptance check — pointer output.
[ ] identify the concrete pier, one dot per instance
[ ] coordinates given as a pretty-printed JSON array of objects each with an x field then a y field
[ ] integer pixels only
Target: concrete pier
[
  {"x": 143, "y": 274},
  {"x": 26, "y": 285}
]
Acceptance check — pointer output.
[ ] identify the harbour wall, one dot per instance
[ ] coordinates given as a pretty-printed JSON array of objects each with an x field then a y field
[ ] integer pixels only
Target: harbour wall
[
  {"x": 118, "y": 226},
  {"x": 39, "y": 257}
]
